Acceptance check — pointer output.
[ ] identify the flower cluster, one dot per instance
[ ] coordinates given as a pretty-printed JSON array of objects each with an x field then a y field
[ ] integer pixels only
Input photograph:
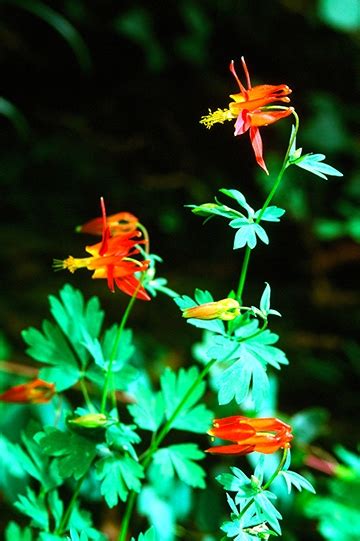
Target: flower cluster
[
  {"x": 112, "y": 258},
  {"x": 252, "y": 108},
  {"x": 264, "y": 435}
]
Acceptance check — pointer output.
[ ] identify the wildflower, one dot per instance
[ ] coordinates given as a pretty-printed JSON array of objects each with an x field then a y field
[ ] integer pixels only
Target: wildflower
[
  {"x": 37, "y": 391},
  {"x": 250, "y": 109},
  {"x": 226, "y": 309},
  {"x": 264, "y": 435},
  {"x": 119, "y": 224},
  {"x": 112, "y": 259}
]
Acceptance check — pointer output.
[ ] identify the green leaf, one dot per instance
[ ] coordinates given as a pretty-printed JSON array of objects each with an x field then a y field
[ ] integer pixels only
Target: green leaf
[
  {"x": 180, "y": 458},
  {"x": 239, "y": 198},
  {"x": 174, "y": 388},
  {"x": 237, "y": 481},
  {"x": 63, "y": 377},
  {"x": 299, "y": 482},
  {"x": 76, "y": 318},
  {"x": 267, "y": 509},
  {"x": 271, "y": 214},
  {"x": 56, "y": 507},
  {"x": 73, "y": 452},
  {"x": 119, "y": 475},
  {"x": 34, "y": 461},
  {"x": 34, "y": 507},
  {"x": 247, "y": 234},
  {"x": 51, "y": 347},
  {"x": 265, "y": 303},
  {"x": 80, "y": 521},
  {"x": 212, "y": 209},
  {"x": 148, "y": 411},
  {"x": 13, "y": 532},
  {"x": 313, "y": 163},
  {"x": 240, "y": 379},
  {"x": 265, "y": 299},
  {"x": 149, "y": 535},
  {"x": 13, "y": 476},
  {"x": 125, "y": 347},
  {"x": 122, "y": 437}
]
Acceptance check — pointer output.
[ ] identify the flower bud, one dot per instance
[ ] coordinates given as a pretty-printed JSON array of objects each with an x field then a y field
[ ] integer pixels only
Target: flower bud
[
  {"x": 225, "y": 309},
  {"x": 90, "y": 420}
]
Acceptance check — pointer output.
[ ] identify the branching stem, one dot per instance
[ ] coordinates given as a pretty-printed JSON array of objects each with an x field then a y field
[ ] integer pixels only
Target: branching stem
[{"x": 268, "y": 200}]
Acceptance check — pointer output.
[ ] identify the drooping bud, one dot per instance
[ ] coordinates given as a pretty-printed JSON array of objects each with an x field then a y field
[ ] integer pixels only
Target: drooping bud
[
  {"x": 225, "y": 309},
  {"x": 90, "y": 420}
]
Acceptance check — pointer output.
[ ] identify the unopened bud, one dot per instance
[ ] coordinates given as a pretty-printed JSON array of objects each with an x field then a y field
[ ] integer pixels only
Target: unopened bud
[
  {"x": 225, "y": 309},
  {"x": 91, "y": 420}
]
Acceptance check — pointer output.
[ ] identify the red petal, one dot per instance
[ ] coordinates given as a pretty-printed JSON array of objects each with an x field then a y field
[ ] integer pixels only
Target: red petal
[
  {"x": 243, "y": 122},
  {"x": 231, "y": 449},
  {"x": 257, "y": 145}
]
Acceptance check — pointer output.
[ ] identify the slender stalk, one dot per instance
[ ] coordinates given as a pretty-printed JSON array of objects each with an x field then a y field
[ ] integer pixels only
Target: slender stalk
[
  {"x": 167, "y": 426},
  {"x": 268, "y": 200},
  {"x": 66, "y": 516},
  {"x": 108, "y": 377},
  {"x": 86, "y": 395},
  {"x": 127, "y": 516},
  {"x": 278, "y": 469},
  {"x": 268, "y": 482},
  {"x": 146, "y": 457},
  {"x": 243, "y": 274}
]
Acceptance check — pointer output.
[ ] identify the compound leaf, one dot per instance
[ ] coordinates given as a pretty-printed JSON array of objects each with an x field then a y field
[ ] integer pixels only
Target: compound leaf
[{"x": 180, "y": 458}]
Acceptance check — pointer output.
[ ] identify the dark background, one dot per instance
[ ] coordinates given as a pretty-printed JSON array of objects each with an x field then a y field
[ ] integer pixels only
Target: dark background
[{"x": 111, "y": 106}]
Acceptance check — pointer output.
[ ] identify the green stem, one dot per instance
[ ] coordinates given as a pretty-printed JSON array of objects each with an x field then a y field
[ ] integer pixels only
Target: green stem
[
  {"x": 268, "y": 483},
  {"x": 268, "y": 200},
  {"x": 66, "y": 516},
  {"x": 86, "y": 395},
  {"x": 146, "y": 457},
  {"x": 243, "y": 274},
  {"x": 127, "y": 516},
  {"x": 108, "y": 377},
  {"x": 278, "y": 469},
  {"x": 167, "y": 426}
]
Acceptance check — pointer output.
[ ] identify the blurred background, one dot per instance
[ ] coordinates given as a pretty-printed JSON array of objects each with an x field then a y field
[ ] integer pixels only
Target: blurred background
[{"x": 103, "y": 98}]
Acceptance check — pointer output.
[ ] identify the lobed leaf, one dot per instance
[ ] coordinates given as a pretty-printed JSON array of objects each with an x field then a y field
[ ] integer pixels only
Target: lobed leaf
[
  {"x": 174, "y": 388},
  {"x": 148, "y": 411},
  {"x": 73, "y": 452},
  {"x": 180, "y": 458},
  {"x": 118, "y": 475}
]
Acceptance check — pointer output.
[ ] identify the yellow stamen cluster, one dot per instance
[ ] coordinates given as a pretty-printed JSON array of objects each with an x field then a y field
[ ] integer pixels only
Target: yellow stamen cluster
[
  {"x": 217, "y": 117},
  {"x": 71, "y": 263}
]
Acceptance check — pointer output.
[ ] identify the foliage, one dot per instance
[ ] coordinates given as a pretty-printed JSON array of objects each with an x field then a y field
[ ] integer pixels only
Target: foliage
[{"x": 133, "y": 429}]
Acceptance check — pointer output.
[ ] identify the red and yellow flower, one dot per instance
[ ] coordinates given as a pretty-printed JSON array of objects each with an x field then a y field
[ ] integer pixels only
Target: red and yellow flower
[
  {"x": 112, "y": 258},
  {"x": 250, "y": 108},
  {"x": 263, "y": 435},
  {"x": 36, "y": 391}
]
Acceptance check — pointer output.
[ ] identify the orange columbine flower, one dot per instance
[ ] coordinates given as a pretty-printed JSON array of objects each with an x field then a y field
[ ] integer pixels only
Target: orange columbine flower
[
  {"x": 249, "y": 108},
  {"x": 226, "y": 309},
  {"x": 264, "y": 435},
  {"x": 119, "y": 224},
  {"x": 37, "y": 391},
  {"x": 112, "y": 259}
]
